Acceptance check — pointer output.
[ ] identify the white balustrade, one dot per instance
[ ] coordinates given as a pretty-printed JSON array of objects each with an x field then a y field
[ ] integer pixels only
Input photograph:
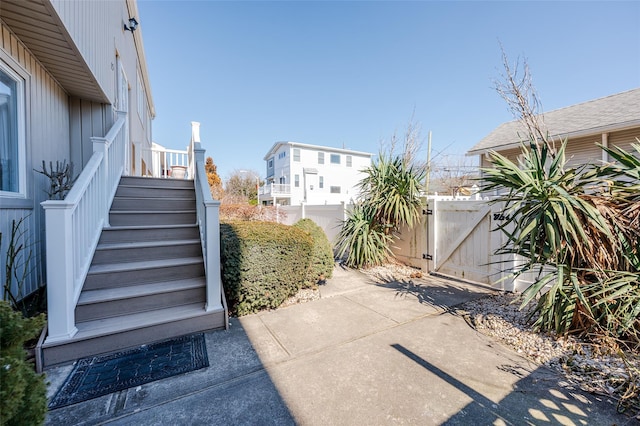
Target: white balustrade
[
  {"x": 208, "y": 216},
  {"x": 74, "y": 226},
  {"x": 163, "y": 159}
]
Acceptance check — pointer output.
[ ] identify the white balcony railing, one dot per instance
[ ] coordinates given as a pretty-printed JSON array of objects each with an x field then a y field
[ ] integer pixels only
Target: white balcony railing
[
  {"x": 208, "y": 216},
  {"x": 169, "y": 162},
  {"x": 275, "y": 189},
  {"x": 74, "y": 226}
]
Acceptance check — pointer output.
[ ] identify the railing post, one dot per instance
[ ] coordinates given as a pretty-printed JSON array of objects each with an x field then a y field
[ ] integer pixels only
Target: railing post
[
  {"x": 101, "y": 145},
  {"x": 214, "y": 295},
  {"x": 60, "y": 271}
]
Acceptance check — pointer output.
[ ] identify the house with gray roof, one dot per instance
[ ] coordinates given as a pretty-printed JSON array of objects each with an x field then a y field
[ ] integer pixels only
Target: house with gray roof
[{"x": 610, "y": 121}]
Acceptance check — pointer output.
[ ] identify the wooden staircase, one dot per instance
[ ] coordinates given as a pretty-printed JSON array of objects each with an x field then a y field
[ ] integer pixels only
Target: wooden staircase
[{"x": 146, "y": 281}]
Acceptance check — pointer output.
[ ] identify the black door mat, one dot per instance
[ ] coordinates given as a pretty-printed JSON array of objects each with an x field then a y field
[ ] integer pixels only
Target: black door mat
[{"x": 101, "y": 375}]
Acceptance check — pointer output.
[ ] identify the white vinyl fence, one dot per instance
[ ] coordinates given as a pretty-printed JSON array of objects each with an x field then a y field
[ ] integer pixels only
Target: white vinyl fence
[
  {"x": 458, "y": 238},
  {"x": 328, "y": 217}
]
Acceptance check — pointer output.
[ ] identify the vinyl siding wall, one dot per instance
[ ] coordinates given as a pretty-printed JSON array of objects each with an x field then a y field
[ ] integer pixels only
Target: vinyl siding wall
[{"x": 47, "y": 138}]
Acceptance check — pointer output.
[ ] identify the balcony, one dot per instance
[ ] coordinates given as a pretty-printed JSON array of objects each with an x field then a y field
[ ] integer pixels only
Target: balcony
[{"x": 273, "y": 193}]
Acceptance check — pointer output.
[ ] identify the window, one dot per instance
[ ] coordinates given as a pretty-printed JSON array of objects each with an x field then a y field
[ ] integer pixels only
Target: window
[
  {"x": 296, "y": 181},
  {"x": 282, "y": 155},
  {"x": 296, "y": 154},
  {"x": 321, "y": 158},
  {"x": 349, "y": 161},
  {"x": 321, "y": 182},
  {"x": 335, "y": 190},
  {"x": 335, "y": 158},
  {"x": 282, "y": 180},
  {"x": 270, "y": 163},
  {"x": 12, "y": 131}
]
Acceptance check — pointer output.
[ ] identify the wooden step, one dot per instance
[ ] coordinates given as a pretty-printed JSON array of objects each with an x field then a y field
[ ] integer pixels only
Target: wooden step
[
  {"x": 146, "y": 250},
  {"x": 149, "y": 271},
  {"x": 154, "y": 192},
  {"x": 111, "y": 334},
  {"x": 145, "y": 217},
  {"x": 155, "y": 204},
  {"x": 140, "y": 233},
  {"x": 112, "y": 302},
  {"x": 148, "y": 182}
]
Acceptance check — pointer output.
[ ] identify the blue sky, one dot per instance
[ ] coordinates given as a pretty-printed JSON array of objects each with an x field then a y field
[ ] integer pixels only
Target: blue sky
[{"x": 349, "y": 74}]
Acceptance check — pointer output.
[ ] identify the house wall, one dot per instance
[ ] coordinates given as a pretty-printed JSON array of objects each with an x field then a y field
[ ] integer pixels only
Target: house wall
[
  {"x": 97, "y": 29},
  {"x": 47, "y": 139}
]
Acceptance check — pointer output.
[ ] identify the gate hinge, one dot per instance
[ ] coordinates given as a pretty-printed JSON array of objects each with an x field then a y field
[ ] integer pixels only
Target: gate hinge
[
  {"x": 426, "y": 256},
  {"x": 427, "y": 212}
]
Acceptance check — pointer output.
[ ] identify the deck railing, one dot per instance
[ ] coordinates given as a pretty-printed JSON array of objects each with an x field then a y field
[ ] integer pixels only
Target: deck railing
[
  {"x": 74, "y": 226},
  {"x": 208, "y": 216},
  {"x": 275, "y": 189},
  {"x": 164, "y": 160}
]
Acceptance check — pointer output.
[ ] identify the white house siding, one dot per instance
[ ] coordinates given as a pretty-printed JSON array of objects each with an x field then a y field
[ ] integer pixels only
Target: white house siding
[
  {"x": 47, "y": 138},
  {"x": 87, "y": 22}
]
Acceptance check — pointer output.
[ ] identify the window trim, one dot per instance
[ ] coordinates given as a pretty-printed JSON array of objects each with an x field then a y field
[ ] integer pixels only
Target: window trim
[
  {"x": 349, "y": 161},
  {"x": 295, "y": 157},
  {"x": 296, "y": 181},
  {"x": 321, "y": 182},
  {"x": 15, "y": 71},
  {"x": 320, "y": 157}
]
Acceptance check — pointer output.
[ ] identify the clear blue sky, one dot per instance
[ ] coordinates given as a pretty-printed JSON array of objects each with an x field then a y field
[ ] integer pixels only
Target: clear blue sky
[{"x": 351, "y": 73}]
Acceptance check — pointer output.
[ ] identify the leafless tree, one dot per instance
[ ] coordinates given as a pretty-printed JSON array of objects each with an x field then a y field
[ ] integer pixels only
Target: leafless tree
[{"x": 453, "y": 175}]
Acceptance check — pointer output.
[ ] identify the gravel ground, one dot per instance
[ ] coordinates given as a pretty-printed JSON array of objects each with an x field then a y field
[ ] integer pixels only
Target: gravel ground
[{"x": 595, "y": 367}]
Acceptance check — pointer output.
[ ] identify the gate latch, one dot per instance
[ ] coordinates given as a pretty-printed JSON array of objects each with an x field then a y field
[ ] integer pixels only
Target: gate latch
[
  {"x": 427, "y": 256},
  {"x": 427, "y": 212}
]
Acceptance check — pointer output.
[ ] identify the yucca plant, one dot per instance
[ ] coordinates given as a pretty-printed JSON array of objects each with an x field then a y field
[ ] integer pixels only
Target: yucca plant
[
  {"x": 389, "y": 197},
  {"x": 580, "y": 237}
]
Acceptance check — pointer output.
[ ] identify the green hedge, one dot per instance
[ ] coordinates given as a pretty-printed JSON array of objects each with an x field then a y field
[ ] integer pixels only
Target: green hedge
[
  {"x": 263, "y": 263},
  {"x": 23, "y": 393},
  {"x": 321, "y": 254}
]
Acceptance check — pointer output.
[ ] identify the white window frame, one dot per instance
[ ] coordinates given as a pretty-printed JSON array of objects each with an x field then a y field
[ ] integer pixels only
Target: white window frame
[
  {"x": 334, "y": 156},
  {"x": 296, "y": 155},
  {"x": 21, "y": 77},
  {"x": 296, "y": 181},
  {"x": 321, "y": 182},
  {"x": 349, "y": 161},
  {"x": 320, "y": 157}
]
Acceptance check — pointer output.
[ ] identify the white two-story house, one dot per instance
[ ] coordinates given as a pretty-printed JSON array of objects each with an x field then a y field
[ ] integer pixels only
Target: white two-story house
[{"x": 312, "y": 174}]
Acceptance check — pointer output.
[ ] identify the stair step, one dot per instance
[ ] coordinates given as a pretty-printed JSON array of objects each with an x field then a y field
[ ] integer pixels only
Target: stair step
[
  {"x": 146, "y": 217},
  {"x": 148, "y": 271},
  {"x": 146, "y": 250},
  {"x": 112, "y": 302},
  {"x": 117, "y": 234},
  {"x": 144, "y": 192},
  {"x": 155, "y": 204},
  {"x": 111, "y": 334},
  {"x": 148, "y": 182}
]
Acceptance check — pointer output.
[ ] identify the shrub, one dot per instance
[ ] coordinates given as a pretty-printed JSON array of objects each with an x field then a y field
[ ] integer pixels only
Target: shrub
[
  {"x": 23, "y": 393},
  {"x": 262, "y": 264},
  {"x": 321, "y": 254}
]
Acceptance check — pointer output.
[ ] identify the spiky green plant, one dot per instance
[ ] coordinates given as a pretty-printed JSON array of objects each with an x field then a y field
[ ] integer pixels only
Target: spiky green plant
[
  {"x": 389, "y": 197},
  {"x": 580, "y": 237}
]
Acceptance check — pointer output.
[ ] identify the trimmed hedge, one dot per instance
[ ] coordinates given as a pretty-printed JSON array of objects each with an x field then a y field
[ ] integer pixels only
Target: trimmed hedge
[
  {"x": 23, "y": 393},
  {"x": 321, "y": 254},
  {"x": 263, "y": 264}
]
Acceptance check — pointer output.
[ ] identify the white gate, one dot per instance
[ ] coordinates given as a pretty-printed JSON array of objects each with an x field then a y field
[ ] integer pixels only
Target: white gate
[{"x": 458, "y": 238}]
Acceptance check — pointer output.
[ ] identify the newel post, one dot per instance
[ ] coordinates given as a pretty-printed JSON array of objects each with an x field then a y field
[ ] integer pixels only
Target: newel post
[
  {"x": 211, "y": 228},
  {"x": 60, "y": 271}
]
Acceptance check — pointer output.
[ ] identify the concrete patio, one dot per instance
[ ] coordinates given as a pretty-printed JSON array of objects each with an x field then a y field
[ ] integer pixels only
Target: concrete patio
[{"x": 364, "y": 354}]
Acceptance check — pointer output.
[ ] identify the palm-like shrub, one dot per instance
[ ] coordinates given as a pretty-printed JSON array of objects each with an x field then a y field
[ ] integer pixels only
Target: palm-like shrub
[
  {"x": 390, "y": 197},
  {"x": 581, "y": 238}
]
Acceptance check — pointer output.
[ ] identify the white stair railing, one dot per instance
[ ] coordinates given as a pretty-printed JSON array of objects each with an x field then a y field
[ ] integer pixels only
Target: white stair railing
[
  {"x": 163, "y": 159},
  {"x": 208, "y": 216},
  {"x": 74, "y": 226}
]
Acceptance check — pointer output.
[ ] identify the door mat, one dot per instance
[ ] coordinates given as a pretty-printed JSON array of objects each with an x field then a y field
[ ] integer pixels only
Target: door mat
[{"x": 101, "y": 375}]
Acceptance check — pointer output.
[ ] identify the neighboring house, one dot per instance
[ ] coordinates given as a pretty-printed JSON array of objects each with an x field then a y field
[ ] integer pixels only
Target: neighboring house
[
  {"x": 610, "y": 121},
  {"x": 312, "y": 174},
  {"x": 65, "y": 68}
]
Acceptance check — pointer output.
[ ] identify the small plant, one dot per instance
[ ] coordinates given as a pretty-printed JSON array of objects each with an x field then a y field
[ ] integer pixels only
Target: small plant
[
  {"x": 17, "y": 266},
  {"x": 23, "y": 392},
  {"x": 60, "y": 180}
]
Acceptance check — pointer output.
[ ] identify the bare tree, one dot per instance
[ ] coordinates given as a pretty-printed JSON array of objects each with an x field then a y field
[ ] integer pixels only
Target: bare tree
[
  {"x": 515, "y": 86},
  {"x": 454, "y": 175},
  {"x": 408, "y": 146},
  {"x": 242, "y": 185}
]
